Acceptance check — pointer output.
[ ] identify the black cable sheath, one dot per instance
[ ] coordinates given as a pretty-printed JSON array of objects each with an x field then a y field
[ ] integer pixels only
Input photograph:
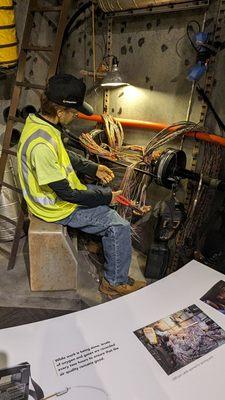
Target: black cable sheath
[
  {"x": 82, "y": 9},
  {"x": 202, "y": 93},
  {"x": 70, "y": 23}
]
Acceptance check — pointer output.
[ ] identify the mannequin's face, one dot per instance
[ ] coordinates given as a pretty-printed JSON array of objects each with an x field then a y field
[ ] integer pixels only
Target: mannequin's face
[{"x": 66, "y": 116}]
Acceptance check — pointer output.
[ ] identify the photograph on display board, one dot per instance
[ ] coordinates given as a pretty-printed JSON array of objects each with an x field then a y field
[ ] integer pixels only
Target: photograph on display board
[
  {"x": 181, "y": 338},
  {"x": 215, "y": 297}
]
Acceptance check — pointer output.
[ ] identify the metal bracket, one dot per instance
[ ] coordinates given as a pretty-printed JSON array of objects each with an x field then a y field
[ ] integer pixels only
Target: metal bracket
[
  {"x": 219, "y": 30},
  {"x": 109, "y": 52}
]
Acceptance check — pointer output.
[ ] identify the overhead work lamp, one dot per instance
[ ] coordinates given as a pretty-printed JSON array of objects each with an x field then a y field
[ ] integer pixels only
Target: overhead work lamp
[{"x": 113, "y": 78}]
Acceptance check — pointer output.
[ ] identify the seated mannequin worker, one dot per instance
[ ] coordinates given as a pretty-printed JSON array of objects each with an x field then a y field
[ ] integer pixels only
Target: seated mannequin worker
[{"x": 53, "y": 191}]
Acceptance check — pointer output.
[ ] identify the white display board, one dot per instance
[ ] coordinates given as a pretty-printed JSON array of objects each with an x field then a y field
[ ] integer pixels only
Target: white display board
[{"x": 159, "y": 343}]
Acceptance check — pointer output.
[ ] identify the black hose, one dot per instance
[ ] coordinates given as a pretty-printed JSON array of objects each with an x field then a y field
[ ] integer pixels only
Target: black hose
[
  {"x": 209, "y": 104},
  {"x": 67, "y": 30},
  {"x": 82, "y": 9}
]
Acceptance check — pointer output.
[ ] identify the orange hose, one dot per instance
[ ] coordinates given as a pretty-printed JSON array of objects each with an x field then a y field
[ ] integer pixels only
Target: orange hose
[
  {"x": 155, "y": 126},
  {"x": 130, "y": 123},
  {"x": 207, "y": 137}
]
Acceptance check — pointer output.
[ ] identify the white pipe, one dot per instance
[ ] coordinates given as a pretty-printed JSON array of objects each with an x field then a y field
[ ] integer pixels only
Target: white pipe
[{"x": 122, "y": 5}]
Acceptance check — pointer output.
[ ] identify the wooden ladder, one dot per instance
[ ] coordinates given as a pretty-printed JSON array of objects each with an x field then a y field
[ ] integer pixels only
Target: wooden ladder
[{"x": 20, "y": 84}]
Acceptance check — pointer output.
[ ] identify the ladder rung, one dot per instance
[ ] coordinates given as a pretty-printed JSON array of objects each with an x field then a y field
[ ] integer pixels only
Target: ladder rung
[
  {"x": 15, "y": 189},
  {"x": 11, "y": 152},
  {"x": 29, "y": 85},
  {"x": 38, "y": 48},
  {"x": 11, "y": 221},
  {"x": 46, "y": 9},
  {"x": 16, "y": 119}
]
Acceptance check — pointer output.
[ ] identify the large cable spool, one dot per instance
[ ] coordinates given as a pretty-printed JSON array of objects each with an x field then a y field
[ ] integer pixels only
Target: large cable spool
[
  {"x": 122, "y": 5},
  {"x": 8, "y": 39},
  {"x": 166, "y": 166}
]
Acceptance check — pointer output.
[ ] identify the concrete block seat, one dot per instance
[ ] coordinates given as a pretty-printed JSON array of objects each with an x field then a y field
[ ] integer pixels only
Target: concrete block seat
[{"x": 53, "y": 256}]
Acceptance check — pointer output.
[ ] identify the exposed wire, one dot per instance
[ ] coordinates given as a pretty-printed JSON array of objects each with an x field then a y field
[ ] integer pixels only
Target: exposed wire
[
  {"x": 187, "y": 33},
  {"x": 168, "y": 134},
  {"x": 189, "y": 28},
  {"x": 177, "y": 44},
  {"x": 190, "y": 235},
  {"x": 134, "y": 183},
  {"x": 114, "y": 148}
]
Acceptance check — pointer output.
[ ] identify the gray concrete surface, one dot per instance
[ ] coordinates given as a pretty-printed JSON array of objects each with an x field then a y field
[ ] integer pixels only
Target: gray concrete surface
[{"x": 15, "y": 290}]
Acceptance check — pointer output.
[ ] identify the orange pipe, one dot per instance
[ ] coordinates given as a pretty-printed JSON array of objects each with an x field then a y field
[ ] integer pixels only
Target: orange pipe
[
  {"x": 207, "y": 137},
  {"x": 130, "y": 123},
  {"x": 155, "y": 126}
]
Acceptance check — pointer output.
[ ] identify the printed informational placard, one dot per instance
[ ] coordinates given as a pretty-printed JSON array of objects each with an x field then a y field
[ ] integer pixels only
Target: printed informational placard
[{"x": 164, "y": 342}]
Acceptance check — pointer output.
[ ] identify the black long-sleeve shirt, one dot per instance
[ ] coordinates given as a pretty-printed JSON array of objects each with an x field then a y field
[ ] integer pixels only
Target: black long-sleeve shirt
[
  {"x": 82, "y": 165},
  {"x": 90, "y": 197}
]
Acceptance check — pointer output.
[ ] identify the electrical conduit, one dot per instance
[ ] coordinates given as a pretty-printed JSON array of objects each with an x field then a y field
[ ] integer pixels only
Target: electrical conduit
[{"x": 155, "y": 126}]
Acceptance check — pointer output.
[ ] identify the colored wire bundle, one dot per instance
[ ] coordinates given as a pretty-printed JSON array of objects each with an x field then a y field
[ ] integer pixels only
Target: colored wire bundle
[
  {"x": 170, "y": 133},
  {"x": 133, "y": 184},
  {"x": 114, "y": 148}
]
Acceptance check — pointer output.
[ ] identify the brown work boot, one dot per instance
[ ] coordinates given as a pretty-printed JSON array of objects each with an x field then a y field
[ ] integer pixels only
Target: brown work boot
[{"x": 120, "y": 290}]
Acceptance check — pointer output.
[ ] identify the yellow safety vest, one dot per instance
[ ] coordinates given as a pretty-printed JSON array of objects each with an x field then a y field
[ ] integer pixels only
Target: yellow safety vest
[{"x": 41, "y": 200}]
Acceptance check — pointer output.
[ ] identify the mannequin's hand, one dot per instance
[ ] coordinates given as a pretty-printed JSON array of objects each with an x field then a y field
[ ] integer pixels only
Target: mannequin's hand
[{"x": 104, "y": 174}]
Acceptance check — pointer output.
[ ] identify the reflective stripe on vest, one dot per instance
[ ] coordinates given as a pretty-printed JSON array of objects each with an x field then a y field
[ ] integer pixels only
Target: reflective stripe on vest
[
  {"x": 26, "y": 191},
  {"x": 69, "y": 169}
]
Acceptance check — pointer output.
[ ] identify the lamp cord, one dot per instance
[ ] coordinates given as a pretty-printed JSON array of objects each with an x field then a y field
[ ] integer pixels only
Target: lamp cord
[{"x": 93, "y": 41}]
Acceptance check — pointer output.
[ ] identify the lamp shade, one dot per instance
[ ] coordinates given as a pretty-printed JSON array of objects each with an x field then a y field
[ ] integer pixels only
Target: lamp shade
[{"x": 114, "y": 78}]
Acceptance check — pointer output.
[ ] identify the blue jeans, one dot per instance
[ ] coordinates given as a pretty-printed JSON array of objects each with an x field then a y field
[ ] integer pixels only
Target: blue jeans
[{"x": 116, "y": 238}]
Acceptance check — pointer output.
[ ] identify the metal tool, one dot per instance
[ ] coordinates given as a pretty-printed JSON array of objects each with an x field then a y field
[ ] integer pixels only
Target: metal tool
[{"x": 127, "y": 202}]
